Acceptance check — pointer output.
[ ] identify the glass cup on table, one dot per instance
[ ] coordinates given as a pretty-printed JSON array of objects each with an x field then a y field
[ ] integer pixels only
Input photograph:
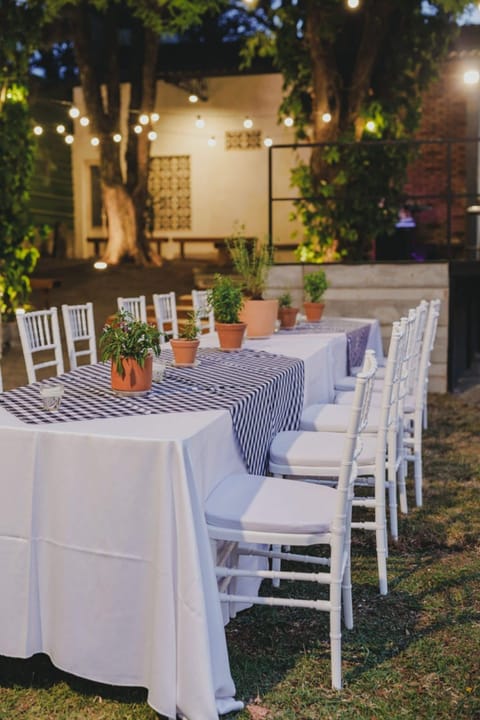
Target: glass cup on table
[{"x": 51, "y": 396}]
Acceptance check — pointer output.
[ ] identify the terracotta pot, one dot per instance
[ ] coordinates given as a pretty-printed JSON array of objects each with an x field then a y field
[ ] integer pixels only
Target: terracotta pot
[
  {"x": 135, "y": 378},
  {"x": 313, "y": 311},
  {"x": 287, "y": 317},
  {"x": 260, "y": 317},
  {"x": 230, "y": 335},
  {"x": 184, "y": 351}
]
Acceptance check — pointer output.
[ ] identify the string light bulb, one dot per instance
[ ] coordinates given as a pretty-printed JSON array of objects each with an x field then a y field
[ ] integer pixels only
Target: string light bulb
[
  {"x": 326, "y": 117},
  {"x": 143, "y": 119},
  {"x": 471, "y": 77},
  {"x": 288, "y": 122},
  {"x": 371, "y": 126},
  {"x": 200, "y": 122},
  {"x": 137, "y": 129},
  {"x": 117, "y": 138},
  {"x": 152, "y": 135},
  {"x": 74, "y": 112},
  {"x": 69, "y": 139},
  {"x": 211, "y": 142},
  {"x": 248, "y": 123},
  {"x": 95, "y": 141},
  {"x": 353, "y": 4},
  {"x": 268, "y": 142},
  {"x": 84, "y": 121},
  {"x": 154, "y": 117},
  {"x": 193, "y": 98},
  {"x": 60, "y": 129},
  {"x": 38, "y": 130}
]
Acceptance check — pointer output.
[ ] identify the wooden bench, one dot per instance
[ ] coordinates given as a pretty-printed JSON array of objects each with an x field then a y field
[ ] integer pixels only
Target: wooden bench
[
  {"x": 45, "y": 284},
  {"x": 158, "y": 241}
]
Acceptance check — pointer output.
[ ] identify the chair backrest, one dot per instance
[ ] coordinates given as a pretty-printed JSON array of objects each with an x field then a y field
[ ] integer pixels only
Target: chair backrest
[
  {"x": 203, "y": 312},
  {"x": 421, "y": 388},
  {"x": 136, "y": 306},
  {"x": 40, "y": 333},
  {"x": 415, "y": 345},
  {"x": 79, "y": 326},
  {"x": 165, "y": 306},
  {"x": 348, "y": 468}
]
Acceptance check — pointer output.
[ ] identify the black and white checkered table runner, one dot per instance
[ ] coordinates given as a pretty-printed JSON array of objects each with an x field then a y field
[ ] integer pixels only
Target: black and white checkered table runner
[
  {"x": 263, "y": 392},
  {"x": 357, "y": 333}
]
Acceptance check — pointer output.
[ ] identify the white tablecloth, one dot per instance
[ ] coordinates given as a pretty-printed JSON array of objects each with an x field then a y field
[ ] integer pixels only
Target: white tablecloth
[{"x": 104, "y": 554}]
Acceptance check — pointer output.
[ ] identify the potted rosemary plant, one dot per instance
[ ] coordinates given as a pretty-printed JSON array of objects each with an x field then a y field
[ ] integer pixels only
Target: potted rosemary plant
[
  {"x": 314, "y": 284},
  {"x": 226, "y": 299},
  {"x": 286, "y": 313},
  {"x": 185, "y": 347},
  {"x": 251, "y": 262},
  {"x": 130, "y": 345}
]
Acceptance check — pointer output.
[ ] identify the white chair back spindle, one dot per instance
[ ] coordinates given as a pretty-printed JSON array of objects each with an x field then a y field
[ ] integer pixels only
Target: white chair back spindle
[{"x": 136, "y": 306}]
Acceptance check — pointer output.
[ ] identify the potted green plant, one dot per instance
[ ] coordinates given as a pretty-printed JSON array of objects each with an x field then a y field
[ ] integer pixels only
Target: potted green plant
[
  {"x": 251, "y": 261},
  {"x": 286, "y": 313},
  {"x": 314, "y": 284},
  {"x": 226, "y": 299},
  {"x": 185, "y": 347},
  {"x": 130, "y": 345}
]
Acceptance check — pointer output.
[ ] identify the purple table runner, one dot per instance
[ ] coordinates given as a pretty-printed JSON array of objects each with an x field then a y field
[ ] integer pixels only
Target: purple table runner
[{"x": 262, "y": 391}]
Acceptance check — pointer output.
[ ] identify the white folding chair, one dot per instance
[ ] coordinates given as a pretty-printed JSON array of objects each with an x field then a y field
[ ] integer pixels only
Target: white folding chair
[
  {"x": 276, "y": 512},
  {"x": 136, "y": 306},
  {"x": 40, "y": 337},
  {"x": 165, "y": 306},
  {"x": 203, "y": 312},
  {"x": 79, "y": 326}
]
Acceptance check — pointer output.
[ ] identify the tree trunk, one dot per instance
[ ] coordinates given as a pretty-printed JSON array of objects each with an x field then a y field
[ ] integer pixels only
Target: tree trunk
[{"x": 120, "y": 212}]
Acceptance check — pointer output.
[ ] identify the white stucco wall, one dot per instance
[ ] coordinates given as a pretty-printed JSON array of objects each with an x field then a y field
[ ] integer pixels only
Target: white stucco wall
[{"x": 227, "y": 186}]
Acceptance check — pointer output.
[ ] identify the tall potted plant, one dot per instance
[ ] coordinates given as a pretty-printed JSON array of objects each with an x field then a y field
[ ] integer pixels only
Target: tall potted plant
[
  {"x": 185, "y": 347},
  {"x": 130, "y": 345},
  {"x": 314, "y": 284},
  {"x": 226, "y": 299},
  {"x": 251, "y": 263}
]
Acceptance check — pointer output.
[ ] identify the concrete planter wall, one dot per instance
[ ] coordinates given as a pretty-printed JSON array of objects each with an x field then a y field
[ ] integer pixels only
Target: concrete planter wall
[{"x": 384, "y": 291}]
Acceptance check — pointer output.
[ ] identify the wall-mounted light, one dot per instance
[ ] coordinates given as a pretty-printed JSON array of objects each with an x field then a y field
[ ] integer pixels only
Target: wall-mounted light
[{"x": 471, "y": 77}]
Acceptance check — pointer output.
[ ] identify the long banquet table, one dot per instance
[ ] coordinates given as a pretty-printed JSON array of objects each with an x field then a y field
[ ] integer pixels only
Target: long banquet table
[{"x": 104, "y": 554}]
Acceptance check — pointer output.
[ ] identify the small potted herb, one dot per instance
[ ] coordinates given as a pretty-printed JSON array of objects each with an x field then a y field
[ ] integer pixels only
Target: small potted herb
[
  {"x": 185, "y": 347},
  {"x": 251, "y": 261},
  {"x": 286, "y": 313},
  {"x": 130, "y": 345},
  {"x": 314, "y": 284},
  {"x": 226, "y": 299}
]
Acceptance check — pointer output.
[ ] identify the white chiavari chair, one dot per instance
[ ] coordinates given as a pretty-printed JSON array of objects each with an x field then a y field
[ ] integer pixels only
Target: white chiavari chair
[
  {"x": 136, "y": 306},
  {"x": 165, "y": 306},
  {"x": 40, "y": 339},
  {"x": 79, "y": 326}
]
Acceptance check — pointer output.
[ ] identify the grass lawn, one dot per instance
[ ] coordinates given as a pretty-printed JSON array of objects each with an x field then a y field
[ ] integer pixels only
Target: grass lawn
[{"x": 413, "y": 654}]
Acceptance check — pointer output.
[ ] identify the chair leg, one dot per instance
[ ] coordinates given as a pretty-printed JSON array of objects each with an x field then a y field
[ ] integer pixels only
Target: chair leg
[
  {"x": 276, "y": 566},
  {"x": 336, "y": 636},
  {"x": 392, "y": 497},
  {"x": 402, "y": 487},
  {"x": 382, "y": 548},
  {"x": 347, "y": 598}
]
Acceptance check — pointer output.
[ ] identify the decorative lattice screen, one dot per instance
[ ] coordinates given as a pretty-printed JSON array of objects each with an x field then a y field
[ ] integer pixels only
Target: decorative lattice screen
[
  {"x": 170, "y": 193},
  {"x": 243, "y": 139}
]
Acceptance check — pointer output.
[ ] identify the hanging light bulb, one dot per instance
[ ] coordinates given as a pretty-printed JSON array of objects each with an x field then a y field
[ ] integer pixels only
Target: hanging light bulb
[
  {"x": 353, "y": 4},
  {"x": 268, "y": 142},
  {"x": 200, "y": 122},
  {"x": 211, "y": 142},
  {"x": 69, "y": 139},
  {"x": 154, "y": 117},
  {"x": 326, "y": 117},
  {"x": 143, "y": 119},
  {"x": 137, "y": 129},
  {"x": 84, "y": 121},
  {"x": 471, "y": 77},
  {"x": 38, "y": 130},
  {"x": 117, "y": 138},
  {"x": 371, "y": 126},
  {"x": 60, "y": 129},
  {"x": 74, "y": 112},
  {"x": 152, "y": 135},
  {"x": 95, "y": 141},
  {"x": 288, "y": 122},
  {"x": 248, "y": 123},
  {"x": 193, "y": 98}
]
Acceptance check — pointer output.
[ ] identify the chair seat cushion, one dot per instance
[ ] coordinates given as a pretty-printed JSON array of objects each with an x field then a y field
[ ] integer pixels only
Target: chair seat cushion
[
  {"x": 298, "y": 448},
  {"x": 329, "y": 417},
  {"x": 260, "y": 503}
]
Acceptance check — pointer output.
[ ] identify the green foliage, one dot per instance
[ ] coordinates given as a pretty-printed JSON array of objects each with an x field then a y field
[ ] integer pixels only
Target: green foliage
[
  {"x": 226, "y": 299},
  {"x": 250, "y": 262},
  {"x": 285, "y": 300},
  {"x": 190, "y": 329},
  {"x": 315, "y": 284},
  {"x": 18, "y": 256},
  {"x": 126, "y": 337}
]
